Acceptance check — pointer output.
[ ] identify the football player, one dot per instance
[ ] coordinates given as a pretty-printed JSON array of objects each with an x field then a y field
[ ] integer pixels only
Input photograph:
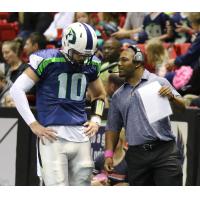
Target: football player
[{"x": 62, "y": 78}]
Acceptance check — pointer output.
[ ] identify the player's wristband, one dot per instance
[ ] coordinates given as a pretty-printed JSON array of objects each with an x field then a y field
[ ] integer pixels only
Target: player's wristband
[
  {"x": 108, "y": 154},
  {"x": 97, "y": 107},
  {"x": 96, "y": 119}
]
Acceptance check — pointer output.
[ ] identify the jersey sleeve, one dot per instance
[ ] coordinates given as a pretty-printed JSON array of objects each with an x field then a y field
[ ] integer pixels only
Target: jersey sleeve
[
  {"x": 39, "y": 60},
  {"x": 95, "y": 65},
  {"x": 36, "y": 62}
]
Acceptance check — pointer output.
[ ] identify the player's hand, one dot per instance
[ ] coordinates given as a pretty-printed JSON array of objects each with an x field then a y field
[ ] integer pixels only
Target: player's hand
[
  {"x": 91, "y": 128},
  {"x": 43, "y": 132},
  {"x": 108, "y": 164},
  {"x": 165, "y": 91}
]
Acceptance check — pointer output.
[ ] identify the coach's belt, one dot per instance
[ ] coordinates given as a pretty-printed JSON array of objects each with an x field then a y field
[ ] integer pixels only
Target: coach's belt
[{"x": 151, "y": 145}]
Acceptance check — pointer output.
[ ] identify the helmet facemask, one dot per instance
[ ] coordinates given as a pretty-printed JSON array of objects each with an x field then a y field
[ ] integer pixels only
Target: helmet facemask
[{"x": 78, "y": 58}]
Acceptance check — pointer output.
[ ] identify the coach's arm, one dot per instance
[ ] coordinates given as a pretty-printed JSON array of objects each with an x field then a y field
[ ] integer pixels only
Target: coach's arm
[{"x": 111, "y": 140}]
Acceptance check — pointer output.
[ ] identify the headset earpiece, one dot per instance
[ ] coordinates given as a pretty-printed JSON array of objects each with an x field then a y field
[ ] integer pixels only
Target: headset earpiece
[{"x": 139, "y": 57}]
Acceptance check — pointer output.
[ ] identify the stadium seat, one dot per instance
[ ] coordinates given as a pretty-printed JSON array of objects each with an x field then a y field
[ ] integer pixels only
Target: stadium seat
[
  {"x": 122, "y": 19},
  {"x": 4, "y": 15},
  {"x": 182, "y": 48},
  {"x": 8, "y": 31}
]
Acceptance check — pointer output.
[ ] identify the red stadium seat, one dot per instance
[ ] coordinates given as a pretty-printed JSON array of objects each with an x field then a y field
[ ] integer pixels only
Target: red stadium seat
[
  {"x": 184, "y": 48},
  {"x": 181, "y": 48},
  {"x": 4, "y": 15},
  {"x": 122, "y": 19},
  {"x": 8, "y": 31}
]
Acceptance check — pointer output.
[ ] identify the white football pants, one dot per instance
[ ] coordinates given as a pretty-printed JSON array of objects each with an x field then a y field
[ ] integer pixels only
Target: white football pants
[{"x": 66, "y": 163}]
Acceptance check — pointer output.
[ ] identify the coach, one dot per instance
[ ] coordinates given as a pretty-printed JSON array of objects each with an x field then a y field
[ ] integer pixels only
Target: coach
[{"x": 152, "y": 156}]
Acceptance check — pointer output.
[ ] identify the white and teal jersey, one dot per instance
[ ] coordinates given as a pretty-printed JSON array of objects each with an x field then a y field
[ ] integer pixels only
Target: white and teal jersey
[{"x": 61, "y": 89}]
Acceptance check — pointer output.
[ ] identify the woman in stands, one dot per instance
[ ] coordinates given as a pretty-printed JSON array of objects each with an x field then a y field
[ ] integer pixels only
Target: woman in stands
[
  {"x": 157, "y": 55},
  {"x": 12, "y": 51}
]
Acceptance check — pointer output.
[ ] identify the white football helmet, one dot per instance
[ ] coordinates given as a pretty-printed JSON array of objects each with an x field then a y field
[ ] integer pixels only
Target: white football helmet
[{"x": 80, "y": 37}]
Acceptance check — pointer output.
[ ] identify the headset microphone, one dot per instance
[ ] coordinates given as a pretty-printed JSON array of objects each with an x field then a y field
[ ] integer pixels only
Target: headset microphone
[
  {"x": 137, "y": 66},
  {"x": 111, "y": 71},
  {"x": 109, "y": 67}
]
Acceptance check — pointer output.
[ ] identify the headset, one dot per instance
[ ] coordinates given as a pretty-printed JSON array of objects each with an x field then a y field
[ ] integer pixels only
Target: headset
[{"x": 139, "y": 57}]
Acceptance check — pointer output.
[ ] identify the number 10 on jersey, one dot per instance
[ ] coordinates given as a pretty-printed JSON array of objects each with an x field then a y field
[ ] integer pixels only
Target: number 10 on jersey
[{"x": 72, "y": 86}]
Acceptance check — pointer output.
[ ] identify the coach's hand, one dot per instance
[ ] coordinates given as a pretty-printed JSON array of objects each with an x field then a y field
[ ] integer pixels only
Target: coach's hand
[
  {"x": 108, "y": 164},
  {"x": 166, "y": 91},
  {"x": 91, "y": 128},
  {"x": 42, "y": 131}
]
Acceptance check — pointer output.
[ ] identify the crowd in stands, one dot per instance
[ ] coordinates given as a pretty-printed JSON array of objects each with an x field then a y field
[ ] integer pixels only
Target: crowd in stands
[{"x": 169, "y": 41}]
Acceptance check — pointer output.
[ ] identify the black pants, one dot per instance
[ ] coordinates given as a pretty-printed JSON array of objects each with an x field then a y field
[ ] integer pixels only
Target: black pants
[{"x": 156, "y": 164}]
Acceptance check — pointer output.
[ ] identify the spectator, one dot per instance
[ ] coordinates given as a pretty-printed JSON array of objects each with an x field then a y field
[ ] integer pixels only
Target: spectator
[
  {"x": 82, "y": 17},
  {"x": 110, "y": 22},
  {"x": 2, "y": 63},
  {"x": 182, "y": 27},
  {"x": 12, "y": 51},
  {"x": 119, "y": 175},
  {"x": 111, "y": 51},
  {"x": 133, "y": 24},
  {"x": 107, "y": 24},
  {"x": 90, "y": 18},
  {"x": 34, "y": 22},
  {"x": 190, "y": 58},
  {"x": 157, "y": 56},
  {"x": 114, "y": 82},
  {"x": 34, "y": 42},
  {"x": 4, "y": 88},
  {"x": 156, "y": 24},
  {"x": 152, "y": 157},
  {"x": 134, "y": 20},
  {"x": 60, "y": 21}
]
